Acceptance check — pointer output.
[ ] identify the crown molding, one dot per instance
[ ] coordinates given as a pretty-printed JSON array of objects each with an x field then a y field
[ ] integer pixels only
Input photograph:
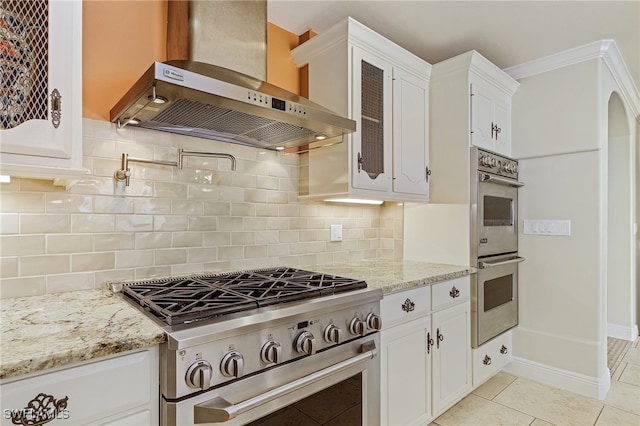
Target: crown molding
[{"x": 606, "y": 49}]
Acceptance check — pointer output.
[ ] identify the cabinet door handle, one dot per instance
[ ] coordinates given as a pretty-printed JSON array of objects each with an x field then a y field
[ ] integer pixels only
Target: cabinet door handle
[
  {"x": 454, "y": 292},
  {"x": 429, "y": 342},
  {"x": 360, "y": 162},
  {"x": 439, "y": 338},
  {"x": 486, "y": 360},
  {"x": 408, "y": 305},
  {"x": 56, "y": 108},
  {"x": 504, "y": 350},
  {"x": 427, "y": 173},
  {"x": 495, "y": 129}
]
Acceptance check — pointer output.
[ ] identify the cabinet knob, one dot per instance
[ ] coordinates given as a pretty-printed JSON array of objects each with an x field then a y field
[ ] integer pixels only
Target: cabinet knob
[
  {"x": 454, "y": 292},
  {"x": 408, "y": 305},
  {"x": 486, "y": 360},
  {"x": 504, "y": 350}
]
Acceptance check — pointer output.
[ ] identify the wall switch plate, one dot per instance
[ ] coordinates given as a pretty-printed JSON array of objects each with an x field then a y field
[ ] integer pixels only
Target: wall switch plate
[
  {"x": 336, "y": 232},
  {"x": 547, "y": 227}
]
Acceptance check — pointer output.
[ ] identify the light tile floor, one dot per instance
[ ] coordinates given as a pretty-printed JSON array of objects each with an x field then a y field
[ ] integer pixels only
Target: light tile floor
[{"x": 510, "y": 400}]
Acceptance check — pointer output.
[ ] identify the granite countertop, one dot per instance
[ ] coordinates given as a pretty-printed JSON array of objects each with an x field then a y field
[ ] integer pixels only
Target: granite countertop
[
  {"x": 54, "y": 330},
  {"x": 396, "y": 275}
]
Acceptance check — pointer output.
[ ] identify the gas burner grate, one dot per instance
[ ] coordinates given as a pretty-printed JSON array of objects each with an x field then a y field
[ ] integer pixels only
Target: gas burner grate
[{"x": 181, "y": 300}]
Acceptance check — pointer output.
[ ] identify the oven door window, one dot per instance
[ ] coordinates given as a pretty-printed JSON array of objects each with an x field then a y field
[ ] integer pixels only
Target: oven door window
[
  {"x": 498, "y": 211},
  {"x": 497, "y": 292}
]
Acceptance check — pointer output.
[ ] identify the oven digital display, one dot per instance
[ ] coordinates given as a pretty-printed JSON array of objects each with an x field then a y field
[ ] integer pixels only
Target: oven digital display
[
  {"x": 303, "y": 324},
  {"x": 278, "y": 104},
  {"x": 498, "y": 211}
]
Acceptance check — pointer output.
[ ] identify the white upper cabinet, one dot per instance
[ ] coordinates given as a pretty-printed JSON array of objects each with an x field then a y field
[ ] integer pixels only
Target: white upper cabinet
[
  {"x": 360, "y": 74},
  {"x": 490, "y": 117},
  {"x": 470, "y": 106},
  {"x": 41, "y": 113}
]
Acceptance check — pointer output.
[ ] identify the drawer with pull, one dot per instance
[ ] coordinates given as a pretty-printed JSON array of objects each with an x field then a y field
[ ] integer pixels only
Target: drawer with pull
[
  {"x": 491, "y": 357},
  {"x": 450, "y": 292},
  {"x": 405, "y": 305}
]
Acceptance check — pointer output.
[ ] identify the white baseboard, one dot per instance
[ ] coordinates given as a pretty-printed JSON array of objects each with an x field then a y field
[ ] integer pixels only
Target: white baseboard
[
  {"x": 622, "y": 332},
  {"x": 592, "y": 387}
]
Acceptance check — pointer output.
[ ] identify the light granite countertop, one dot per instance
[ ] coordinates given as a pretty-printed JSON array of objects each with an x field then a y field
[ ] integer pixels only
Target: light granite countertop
[
  {"x": 41, "y": 332},
  {"x": 54, "y": 330},
  {"x": 395, "y": 275}
]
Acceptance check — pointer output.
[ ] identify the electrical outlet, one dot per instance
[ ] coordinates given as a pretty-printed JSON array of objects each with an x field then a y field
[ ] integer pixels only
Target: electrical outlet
[{"x": 336, "y": 232}]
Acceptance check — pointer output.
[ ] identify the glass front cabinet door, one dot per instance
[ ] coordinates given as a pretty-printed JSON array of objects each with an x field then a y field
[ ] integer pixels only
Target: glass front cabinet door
[{"x": 41, "y": 88}]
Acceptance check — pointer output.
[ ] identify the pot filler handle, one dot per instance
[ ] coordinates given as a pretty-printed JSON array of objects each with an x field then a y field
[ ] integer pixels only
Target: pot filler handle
[{"x": 219, "y": 409}]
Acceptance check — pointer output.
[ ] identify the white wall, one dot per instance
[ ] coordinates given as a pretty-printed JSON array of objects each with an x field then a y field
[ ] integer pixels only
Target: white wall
[{"x": 560, "y": 135}]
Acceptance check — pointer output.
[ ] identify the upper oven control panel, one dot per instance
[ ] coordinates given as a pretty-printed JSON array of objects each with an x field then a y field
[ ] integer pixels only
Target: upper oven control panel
[{"x": 497, "y": 164}]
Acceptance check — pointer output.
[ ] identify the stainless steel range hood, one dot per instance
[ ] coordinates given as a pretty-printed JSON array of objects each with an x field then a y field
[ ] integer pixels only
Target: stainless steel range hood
[{"x": 207, "y": 101}]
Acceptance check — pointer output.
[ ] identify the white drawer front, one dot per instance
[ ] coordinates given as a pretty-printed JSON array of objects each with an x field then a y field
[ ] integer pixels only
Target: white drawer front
[
  {"x": 94, "y": 391},
  {"x": 451, "y": 292},
  {"x": 491, "y": 357},
  {"x": 405, "y": 305}
]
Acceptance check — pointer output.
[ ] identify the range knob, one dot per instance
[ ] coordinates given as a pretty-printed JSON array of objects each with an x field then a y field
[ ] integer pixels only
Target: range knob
[
  {"x": 199, "y": 375},
  {"x": 357, "y": 327},
  {"x": 332, "y": 334},
  {"x": 271, "y": 352},
  {"x": 374, "y": 322},
  {"x": 305, "y": 343},
  {"x": 232, "y": 364}
]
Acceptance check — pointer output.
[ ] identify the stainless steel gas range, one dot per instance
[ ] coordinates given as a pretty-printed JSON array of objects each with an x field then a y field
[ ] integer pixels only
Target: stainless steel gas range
[{"x": 245, "y": 345}]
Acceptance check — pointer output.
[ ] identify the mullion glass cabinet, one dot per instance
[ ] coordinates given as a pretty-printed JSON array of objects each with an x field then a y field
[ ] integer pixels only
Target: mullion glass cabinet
[{"x": 41, "y": 88}]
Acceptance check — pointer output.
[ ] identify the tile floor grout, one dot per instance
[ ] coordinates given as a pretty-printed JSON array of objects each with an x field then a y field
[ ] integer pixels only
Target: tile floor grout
[{"x": 504, "y": 397}]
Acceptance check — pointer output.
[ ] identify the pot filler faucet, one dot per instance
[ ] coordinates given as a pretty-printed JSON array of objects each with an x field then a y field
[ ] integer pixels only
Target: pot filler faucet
[{"x": 124, "y": 173}]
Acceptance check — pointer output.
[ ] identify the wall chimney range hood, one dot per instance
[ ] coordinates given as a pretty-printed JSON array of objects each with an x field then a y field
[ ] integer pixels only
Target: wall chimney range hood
[{"x": 197, "y": 99}]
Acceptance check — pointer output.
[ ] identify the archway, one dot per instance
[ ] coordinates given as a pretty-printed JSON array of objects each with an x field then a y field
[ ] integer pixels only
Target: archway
[{"x": 621, "y": 264}]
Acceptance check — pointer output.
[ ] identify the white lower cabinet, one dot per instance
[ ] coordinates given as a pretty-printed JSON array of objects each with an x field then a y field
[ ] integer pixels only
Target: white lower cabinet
[
  {"x": 491, "y": 357},
  {"x": 425, "y": 352},
  {"x": 120, "y": 390}
]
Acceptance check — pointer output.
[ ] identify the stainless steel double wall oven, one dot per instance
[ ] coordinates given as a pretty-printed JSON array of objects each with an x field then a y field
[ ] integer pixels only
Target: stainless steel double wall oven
[{"x": 494, "y": 244}]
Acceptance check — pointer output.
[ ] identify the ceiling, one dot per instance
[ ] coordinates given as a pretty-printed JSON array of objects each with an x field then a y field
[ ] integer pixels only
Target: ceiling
[{"x": 505, "y": 32}]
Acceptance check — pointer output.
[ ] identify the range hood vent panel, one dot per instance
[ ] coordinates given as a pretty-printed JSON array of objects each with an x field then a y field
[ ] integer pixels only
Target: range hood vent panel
[{"x": 217, "y": 103}]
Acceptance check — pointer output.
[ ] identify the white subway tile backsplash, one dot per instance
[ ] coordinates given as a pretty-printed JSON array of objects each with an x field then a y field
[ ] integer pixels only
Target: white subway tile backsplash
[
  {"x": 70, "y": 282},
  {"x": 174, "y": 256},
  {"x": 133, "y": 258},
  {"x": 88, "y": 262},
  {"x": 21, "y": 202},
  {"x": 69, "y": 243},
  {"x": 45, "y": 264},
  {"x": 134, "y": 223},
  {"x": 9, "y": 223},
  {"x": 9, "y": 267},
  {"x": 22, "y": 245},
  {"x": 169, "y": 221}
]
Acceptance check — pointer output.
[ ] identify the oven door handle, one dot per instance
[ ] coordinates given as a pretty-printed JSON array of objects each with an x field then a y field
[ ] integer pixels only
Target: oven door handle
[
  {"x": 485, "y": 177},
  {"x": 219, "y": 409},
  {"x": 485, "y": 265}
]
